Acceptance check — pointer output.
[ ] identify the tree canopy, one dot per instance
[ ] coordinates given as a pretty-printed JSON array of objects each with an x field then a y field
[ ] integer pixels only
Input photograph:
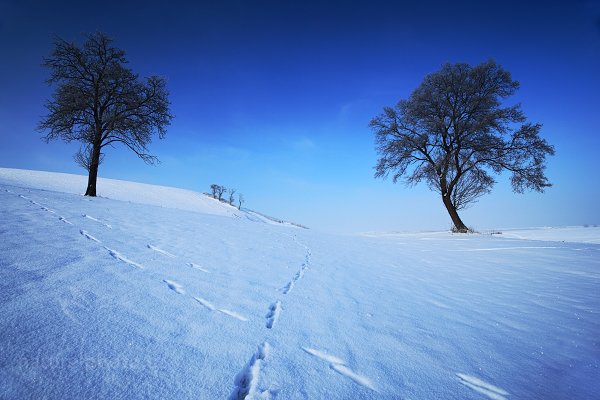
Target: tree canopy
[
  {"x": 100, "y": 102},
  {"x": 453, "y": 133}
]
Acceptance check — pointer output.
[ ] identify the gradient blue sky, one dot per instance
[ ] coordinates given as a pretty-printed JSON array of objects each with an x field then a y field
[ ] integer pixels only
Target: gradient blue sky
[{"x": 274, "y": 97}]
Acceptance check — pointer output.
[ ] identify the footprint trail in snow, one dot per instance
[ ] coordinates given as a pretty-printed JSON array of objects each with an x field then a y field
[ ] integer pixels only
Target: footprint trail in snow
[
  {"x": 232, "y": 314},
  {"x": 225, "y": 311},
  {"x": 97, "y": 220},
  {"x": 205, "y": 303},
  {"x": 44, "y": 208},
  {"x": 273, "y": 314},
  {"x": 247, "y": 381},
  {"x": 487, "y": 389},
  {"x": 198, "y": 267},
  {"x": 290, "y": 285},
  {"x": 174, "y": 286},
  {"x": 161, "y": 251},
  {"x": 87, "y": 235},
  {"x": 122, "y": 258},
  {"x": 339, "y": 366}
]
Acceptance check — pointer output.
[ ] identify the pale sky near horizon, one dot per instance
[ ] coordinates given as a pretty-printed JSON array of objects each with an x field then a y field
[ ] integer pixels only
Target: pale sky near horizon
[{"x": 273, "y": 98}]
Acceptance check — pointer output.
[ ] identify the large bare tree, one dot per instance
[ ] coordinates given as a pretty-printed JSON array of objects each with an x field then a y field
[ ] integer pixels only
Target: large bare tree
[
  {"x": 453, "y": 132},
  {"x": 100, "y": 102}
]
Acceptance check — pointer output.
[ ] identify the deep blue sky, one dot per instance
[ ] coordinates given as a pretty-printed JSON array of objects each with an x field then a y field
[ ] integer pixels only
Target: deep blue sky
[{"x": 274, "y": 97}]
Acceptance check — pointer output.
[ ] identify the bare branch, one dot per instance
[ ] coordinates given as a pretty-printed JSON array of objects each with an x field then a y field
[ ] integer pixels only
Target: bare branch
[
  {"x": 99, "y": 101},
  {"x": 453, "y": 131}
]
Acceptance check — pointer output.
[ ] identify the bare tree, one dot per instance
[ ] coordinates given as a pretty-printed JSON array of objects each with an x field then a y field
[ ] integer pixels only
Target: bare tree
[
  {"x": 213, "y": 188},
  {"x": 231, "y": 193},
  {"x": 221, "y": 190},
  {"x": 100, "y": 102},
  {"x": 453, "y": 133},
  {"x": 240, "y": 201}
]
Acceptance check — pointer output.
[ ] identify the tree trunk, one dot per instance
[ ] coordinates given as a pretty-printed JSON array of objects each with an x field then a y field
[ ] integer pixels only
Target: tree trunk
[
  {"x": 93, "y": 172},
  {"x": 458, "y": 224}
]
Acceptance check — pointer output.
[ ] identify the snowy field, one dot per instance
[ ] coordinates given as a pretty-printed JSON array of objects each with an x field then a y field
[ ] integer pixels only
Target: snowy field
[
  {"x": 153, "y": 292},
  {"x": 562, "y": 234}
]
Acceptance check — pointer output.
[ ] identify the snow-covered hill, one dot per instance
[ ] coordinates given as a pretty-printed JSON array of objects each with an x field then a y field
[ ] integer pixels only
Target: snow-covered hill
[
  {"x": 159, "y": 293},
  {"x": 134, "y": 192}
]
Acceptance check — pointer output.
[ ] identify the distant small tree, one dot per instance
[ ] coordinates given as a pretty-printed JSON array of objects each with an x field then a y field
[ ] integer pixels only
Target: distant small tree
[
  {"x": 240, "y": 201},
  {"x": 218, "y": 191},
  {"x": 214, "y": 188},
  {"x": 452, "y": 132},
  {"x": 100, "y": 102},
  {"x": 221, "y": 190},
  {"x": 231, "y": 198}
]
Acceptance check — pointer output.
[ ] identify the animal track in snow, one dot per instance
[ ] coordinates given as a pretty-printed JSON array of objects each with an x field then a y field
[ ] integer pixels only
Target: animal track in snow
[
  {"x": 307, "y": 261},
  {"x": 63, "y": 219},
  {"x": 174, "y": 286},
  {"x": 290, "y": 285},
  {"x": 323, "y": 356},
  {"x": 87, "y": 235},
  {"x": 97, "y": 220},
  {"x": 340, "y": 367},
  {"x": 198, "y": 267},
  {"x": 30, "y": 200},
  {"x": 308, "y": 255},
  {"x": 161, "y": 251},
  {"x": 205, "y": 303},
  {"x": 121, "y": 257},
  {"x": 232, "y": 314},
  {"x": 300, "y": 273},
  {"x": 489, "y": 390},
  {"x": 273, "y": 314},
  {"x": 211, "y": 307},
  {"x": 247, "y": 381},
  {"x": 361, "y": 380},
  {"x": 286, "y": 289}
]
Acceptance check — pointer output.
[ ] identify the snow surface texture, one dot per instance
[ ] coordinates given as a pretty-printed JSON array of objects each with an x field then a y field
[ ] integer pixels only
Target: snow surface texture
[{"x": 103, "y": 298}]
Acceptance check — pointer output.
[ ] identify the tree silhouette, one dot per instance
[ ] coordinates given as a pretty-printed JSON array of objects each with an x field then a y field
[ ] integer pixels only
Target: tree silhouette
[
  {"x": 100, "y": 102},
  {"x": 453, "y": 132},
  {"x": 241, "y": 201},
  {"x": 213, "y": 189}
]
